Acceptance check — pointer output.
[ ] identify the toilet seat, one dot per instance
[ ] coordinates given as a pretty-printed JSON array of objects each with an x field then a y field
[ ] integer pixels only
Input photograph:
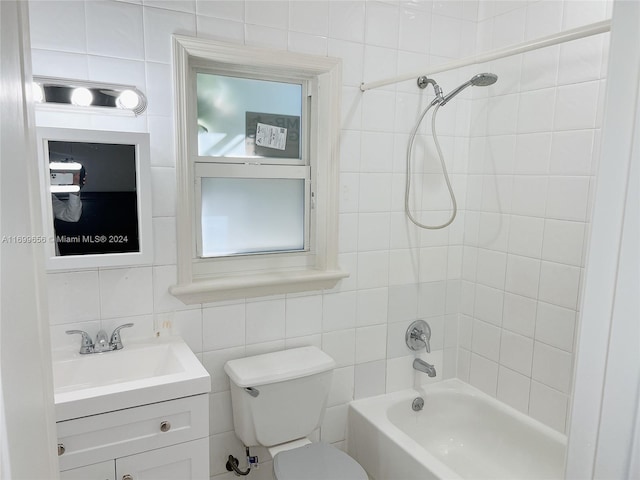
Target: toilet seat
[{"x": 316, "y": 461}]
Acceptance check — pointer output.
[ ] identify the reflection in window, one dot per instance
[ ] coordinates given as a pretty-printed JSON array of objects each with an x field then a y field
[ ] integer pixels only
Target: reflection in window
[
  {"x": 244, "y": 117},
  {"x": 252, "y": 215}
]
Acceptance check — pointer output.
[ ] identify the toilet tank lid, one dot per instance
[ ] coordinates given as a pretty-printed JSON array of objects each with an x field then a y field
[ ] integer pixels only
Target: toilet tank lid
[{"x": 278, "y": 366}]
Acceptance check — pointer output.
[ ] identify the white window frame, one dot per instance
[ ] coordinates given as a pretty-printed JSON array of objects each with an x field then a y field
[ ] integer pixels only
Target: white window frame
[{"x": 211, "y": 279}]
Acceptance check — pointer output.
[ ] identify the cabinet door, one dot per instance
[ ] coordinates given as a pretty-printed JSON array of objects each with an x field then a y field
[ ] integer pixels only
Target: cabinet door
[
  {"x": 185, "y": 461},
  {"x": 97, "y": 471}
]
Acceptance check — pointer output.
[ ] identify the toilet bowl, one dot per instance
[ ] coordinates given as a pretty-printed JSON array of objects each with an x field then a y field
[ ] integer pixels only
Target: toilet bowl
[
  {"x": 316, "y": 461},
  {"x": 278, "y": 399}
]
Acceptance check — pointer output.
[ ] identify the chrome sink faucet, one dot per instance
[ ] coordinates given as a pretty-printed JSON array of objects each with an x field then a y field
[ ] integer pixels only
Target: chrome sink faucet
[{"x": 101, "y": 344}]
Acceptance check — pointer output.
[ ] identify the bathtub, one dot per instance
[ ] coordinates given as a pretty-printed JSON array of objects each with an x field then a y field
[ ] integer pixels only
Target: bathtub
[{"x": 460, "y": 433}]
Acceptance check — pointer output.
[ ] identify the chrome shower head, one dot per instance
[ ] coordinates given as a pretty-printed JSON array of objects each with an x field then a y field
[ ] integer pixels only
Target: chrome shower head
[
  {"x": 479, "y": 80},
  {"x": 484, "y": 79}
]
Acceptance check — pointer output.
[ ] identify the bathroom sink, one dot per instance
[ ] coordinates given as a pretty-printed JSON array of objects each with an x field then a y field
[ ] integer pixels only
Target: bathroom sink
[{"x": 139, "y": 374}]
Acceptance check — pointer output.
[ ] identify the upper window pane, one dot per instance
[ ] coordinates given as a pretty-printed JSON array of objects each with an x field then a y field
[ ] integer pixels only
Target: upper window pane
[{"x": 243, "y": 117}]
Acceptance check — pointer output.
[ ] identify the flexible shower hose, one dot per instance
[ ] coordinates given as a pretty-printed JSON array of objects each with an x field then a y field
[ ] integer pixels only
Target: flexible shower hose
[{"x": 407, "y": 190}]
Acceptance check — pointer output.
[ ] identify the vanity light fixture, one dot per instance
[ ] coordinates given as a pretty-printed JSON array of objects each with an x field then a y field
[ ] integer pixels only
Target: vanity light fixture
[{"x": 85, "y": 93}]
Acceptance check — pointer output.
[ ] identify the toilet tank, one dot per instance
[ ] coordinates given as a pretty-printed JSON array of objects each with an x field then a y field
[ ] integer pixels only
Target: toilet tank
[{"x": 281, "y": 396}]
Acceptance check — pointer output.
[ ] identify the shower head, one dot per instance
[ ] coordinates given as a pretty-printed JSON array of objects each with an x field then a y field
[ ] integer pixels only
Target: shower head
[
  {"x": 484, "y": 79},
  {"x": 479, "y": 80}
]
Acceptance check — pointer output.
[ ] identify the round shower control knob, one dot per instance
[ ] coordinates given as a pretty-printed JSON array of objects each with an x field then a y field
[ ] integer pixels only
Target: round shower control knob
[
  {"x": 165, "y": 426},
  {"x": 127, "y": 477}
]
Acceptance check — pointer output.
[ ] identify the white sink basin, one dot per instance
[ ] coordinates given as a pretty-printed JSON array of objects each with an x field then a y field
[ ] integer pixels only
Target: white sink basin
[{"x": 139, "y": 374}]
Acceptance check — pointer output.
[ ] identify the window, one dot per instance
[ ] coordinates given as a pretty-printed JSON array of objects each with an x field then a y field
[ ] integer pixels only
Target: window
[
  {"x": 242, "y": 213},
  {"x": 257, "y": 147},
  {"x": 230, "y": 108},
  {"x": 252, "y": 166}
]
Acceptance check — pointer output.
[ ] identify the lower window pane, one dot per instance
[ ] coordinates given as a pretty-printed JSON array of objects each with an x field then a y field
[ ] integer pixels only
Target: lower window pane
[{"x": 252, "y": 215}]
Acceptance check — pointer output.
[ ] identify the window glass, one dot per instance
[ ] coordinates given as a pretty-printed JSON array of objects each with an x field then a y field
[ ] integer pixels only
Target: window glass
[
  {"x": 244, "y": 117},
  {"x": 252, "y": 215}
]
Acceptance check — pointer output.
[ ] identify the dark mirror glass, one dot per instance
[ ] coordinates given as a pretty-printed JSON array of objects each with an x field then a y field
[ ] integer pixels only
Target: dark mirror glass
[{"x": 93, "y": 197}]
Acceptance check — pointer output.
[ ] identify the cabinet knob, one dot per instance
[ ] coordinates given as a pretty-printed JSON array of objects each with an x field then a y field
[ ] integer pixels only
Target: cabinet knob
[
  {"x": 61, "y": 449},
  {"x": 165, "y": 426},
  {"x": 127, "y": 477}
]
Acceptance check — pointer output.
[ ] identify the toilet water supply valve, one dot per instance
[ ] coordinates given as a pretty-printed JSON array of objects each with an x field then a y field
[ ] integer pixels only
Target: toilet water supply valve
[{"x": 232, "y": 464}]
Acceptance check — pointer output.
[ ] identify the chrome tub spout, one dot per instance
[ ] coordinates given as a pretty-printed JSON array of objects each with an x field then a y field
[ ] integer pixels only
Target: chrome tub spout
[{"x": 424, "y": 367}]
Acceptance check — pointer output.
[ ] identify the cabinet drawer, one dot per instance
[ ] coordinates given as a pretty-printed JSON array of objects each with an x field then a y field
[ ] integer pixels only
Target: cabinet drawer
[
  {"x": 111, "y": 435},
  {"x": 98, "y": 471}
]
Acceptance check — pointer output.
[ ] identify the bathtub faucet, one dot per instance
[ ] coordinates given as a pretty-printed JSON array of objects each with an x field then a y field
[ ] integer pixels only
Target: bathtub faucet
[{"x": 424, "y": 367}]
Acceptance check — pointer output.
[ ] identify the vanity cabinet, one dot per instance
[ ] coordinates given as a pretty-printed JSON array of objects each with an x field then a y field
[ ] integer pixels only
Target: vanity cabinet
[{"x": 166, "y": 440}]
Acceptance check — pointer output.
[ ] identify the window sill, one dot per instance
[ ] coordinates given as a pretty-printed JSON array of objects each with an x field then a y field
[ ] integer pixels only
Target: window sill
[{"x": 256, "y": 285}]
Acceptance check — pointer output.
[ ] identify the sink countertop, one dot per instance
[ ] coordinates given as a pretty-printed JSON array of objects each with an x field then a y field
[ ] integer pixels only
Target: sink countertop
[{"x": 141, "y": 373}]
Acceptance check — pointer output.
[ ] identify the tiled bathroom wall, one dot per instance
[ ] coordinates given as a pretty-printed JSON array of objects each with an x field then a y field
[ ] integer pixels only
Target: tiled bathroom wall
[
  {"x": 397, "y": 273},
  {"x": 533, "y": 154},
  {"x": 520, "y": 155}
]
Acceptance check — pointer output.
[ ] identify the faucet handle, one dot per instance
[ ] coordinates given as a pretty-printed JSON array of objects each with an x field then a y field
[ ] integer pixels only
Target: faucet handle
[
  {"x": 116, "y": 340},
  {"x": 86, "y": 345},
  {"x": 418, "y": 336}
]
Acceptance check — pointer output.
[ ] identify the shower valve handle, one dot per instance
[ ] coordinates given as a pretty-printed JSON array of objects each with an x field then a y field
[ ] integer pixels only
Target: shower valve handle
[{"x": 418, "y": 336}]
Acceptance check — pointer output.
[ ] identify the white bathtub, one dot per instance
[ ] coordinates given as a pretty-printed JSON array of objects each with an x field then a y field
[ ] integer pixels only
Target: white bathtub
[{"x": 460, "y": 433}]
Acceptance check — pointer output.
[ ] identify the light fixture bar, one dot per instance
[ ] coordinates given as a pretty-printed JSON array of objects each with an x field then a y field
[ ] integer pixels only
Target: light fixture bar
[{"x": 86, "y": 93}]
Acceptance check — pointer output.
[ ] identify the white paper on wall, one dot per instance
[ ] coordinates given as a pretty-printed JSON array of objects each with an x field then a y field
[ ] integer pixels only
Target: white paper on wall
[{"x": 271, "y": 136}]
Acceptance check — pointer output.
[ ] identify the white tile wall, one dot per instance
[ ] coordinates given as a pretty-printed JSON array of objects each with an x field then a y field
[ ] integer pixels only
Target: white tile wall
[
  {"x": 513, "y": 389},
  {"x": 516, "y": 352},
  {"x": 522, "y": 157},
  {"x": 347, "y": 20},
  {"x": 339, "y": 311},
  {"x": 159, "y": 24},
  {"x": 309, "y": 17},
  {"x": 126, "y": 291},
  {"x": 58, "y": 64},
  {"x": 60, "y": 26},
  {"x": 369, "y": 379},
  {"x": 115, "y": 30},
  {"x": 554, "y": 105}
]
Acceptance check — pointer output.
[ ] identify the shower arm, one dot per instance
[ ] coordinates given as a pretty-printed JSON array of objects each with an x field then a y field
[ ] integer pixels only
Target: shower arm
[{"x": 423, "y": 81}]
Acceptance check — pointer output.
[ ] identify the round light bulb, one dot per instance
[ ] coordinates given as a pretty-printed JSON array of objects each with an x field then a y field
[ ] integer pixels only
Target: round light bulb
[
  {"x": 82, "y": 96},
  {"x": 128, "y": 99},
  {"x": 38, "y": 93}
]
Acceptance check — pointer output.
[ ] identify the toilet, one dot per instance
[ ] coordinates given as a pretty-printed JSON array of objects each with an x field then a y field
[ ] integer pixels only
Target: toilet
[{"x": 278, "y": 399}]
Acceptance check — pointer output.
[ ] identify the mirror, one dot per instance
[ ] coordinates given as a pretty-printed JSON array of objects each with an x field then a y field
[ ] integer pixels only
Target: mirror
[{"x": 95, "y": 197}]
